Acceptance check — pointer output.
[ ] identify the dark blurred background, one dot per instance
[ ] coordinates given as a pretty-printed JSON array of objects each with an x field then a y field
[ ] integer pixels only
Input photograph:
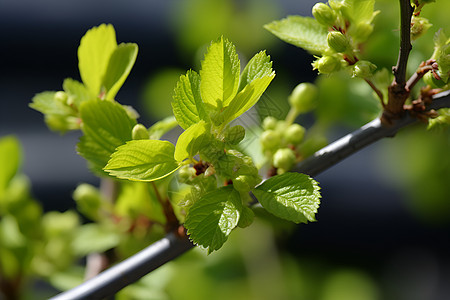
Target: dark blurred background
[{"x": 382, "y": 230}]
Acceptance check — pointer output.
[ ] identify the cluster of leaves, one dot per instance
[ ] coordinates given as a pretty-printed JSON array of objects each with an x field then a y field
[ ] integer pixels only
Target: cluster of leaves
[
  {"x": 215, "y": 177},
  {"x": 33, "y": 243}
]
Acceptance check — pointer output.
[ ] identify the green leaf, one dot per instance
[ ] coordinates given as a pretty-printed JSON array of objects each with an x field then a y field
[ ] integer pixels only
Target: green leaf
[
  {"x": 157, "y": 130},
  {"x": 10, "y": 157},
  {"x": 247, "y": 98},
  {"x": 192, "y": 140},
  {"x": 119, "y": 67},
  {"x": 259, "y": 66},
  {"x": 46, "y": 103},
  {"x": 94, "y": 52},
  {"x": 291, "y": 196},
  {"x": 143, "y": 160},
  {"x": 76, "y": 91},
  {"x": 212, "y": 218},
  {"x": 359, "y": 11},
  {"x": 187, "y": 104},
  {"x": 106, "y": 125},
  {"x": 303, "y": 32},
  {"x": 220, "y": 74}
]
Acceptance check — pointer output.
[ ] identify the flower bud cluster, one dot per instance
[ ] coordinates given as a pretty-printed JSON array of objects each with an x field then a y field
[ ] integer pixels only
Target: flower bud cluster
[{"x": 345, "y": 33}]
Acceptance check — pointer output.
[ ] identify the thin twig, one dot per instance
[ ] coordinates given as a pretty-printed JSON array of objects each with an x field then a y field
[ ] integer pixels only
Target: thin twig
[
  {"x": 376, "y": 90},
  {"x": 406, "y": 11},
  {"x": 157, "y": 254}
]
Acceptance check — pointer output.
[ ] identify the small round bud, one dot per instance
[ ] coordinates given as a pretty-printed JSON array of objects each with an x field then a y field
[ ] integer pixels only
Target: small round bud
[
  {"x": 419, "y": 27},
  {"x": 304, "y": 97},
  {"x": 270, "y": 139},
  {"x": 61, "y": 97},
  {"x": 284, "y": 158},
  {"x": 336, "y": 4},
  {"x": 294, "y": 134},
  {"x": 186, "y": 173},
  {"x": 234, "y": 135},
  {"x": 337, "y": 41},
  {"x": 363, "y": 69},
  {"x": 327, "y": 64},
  {"x": 139, "y": 132},
  {"x": 269, "y": 123},
  {"x": 324, "y": 14}
]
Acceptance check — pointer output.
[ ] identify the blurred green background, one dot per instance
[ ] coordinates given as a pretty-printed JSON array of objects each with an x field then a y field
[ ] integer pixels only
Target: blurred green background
[{"x": 383, "y": 227}]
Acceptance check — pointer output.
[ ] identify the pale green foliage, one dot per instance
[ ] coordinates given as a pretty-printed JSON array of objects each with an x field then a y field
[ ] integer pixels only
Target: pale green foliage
[
  {"x": 187, "y": 104},
  {"x": 304, "y": 32},
  {"x": 220, "y": 74},
  {"x": 96, "y": 48},
  {"x": 119, "y": 67},
  {"x": 442, "y": 54},
  {"x": 291, "y": 196},
  {"x": 211, "y": 220},
  {"x": 10, "y": 159},
  {"x": 143, "y": 160},
  {"x": 192, "y": 140},
  {"x": 106, "y": 125}
]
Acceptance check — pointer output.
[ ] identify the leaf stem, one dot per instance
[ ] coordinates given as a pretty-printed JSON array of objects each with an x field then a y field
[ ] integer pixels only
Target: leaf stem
[
  {"x": 376, "y": 90},
  {"x": 171, "y": 219}
]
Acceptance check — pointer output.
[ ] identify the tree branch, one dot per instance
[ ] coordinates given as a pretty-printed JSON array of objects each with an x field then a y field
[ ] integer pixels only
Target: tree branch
[
  {"x": 157, "y": 254},
  {"x": 406, "y": 11}
]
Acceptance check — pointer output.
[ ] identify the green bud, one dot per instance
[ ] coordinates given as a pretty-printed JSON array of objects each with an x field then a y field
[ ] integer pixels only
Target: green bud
[
  {"x": 327, "y": 64},
  {"x": 284, "y": 158},
  {"x": 429, "y": 79},
  {"x": 312, "y": 144},
  {"x": 269, "y": 123},
  {"x": 88, "y": 200},
  {"x": 363, "y": 69},
  {"x": 324, "y": 14},
  {"x": 304, "y": 97},
  {"x": 270, "y": 139},
  {"x": 61, "y": 97},
  {"x": 419, "y": 27},
  {"x": 335, "y": 4},
  {"x": 139, "y": 132},
  {"x": 234, "y": 135},
  {"x": 294, "y": 134},
  {"x": 186, "y": 173},
  {"x": 337, "y": 41}
]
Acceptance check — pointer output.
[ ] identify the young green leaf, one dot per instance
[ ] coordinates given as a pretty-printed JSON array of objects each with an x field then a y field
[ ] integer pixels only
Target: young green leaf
[
  {"x": 303, "y": 32},
  {"x": 220, "y": 73},
  {"x": 157, "y": 130},
  {"x": 359, "y": 11},
  {"x": 58, "y": 115},
  {"x": 291, "y": 196},
  {"x": 106, "y": 125},
  {"x": 247, "y": 98},
  {"x": 46, "y": 103},
  {"x": 259, "y": 66},
  {"x": 94, "y": 52},
  {"x": 10, "y": 156},
  {"x": 187, "y": 104},
  {"x": 143, "y": 160},
  {"x": 76, "y": 92},
  {"x": 192, "y": 140},
  {"x": 212, "y": 218},
  {"x": 119, "y": 67}
]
